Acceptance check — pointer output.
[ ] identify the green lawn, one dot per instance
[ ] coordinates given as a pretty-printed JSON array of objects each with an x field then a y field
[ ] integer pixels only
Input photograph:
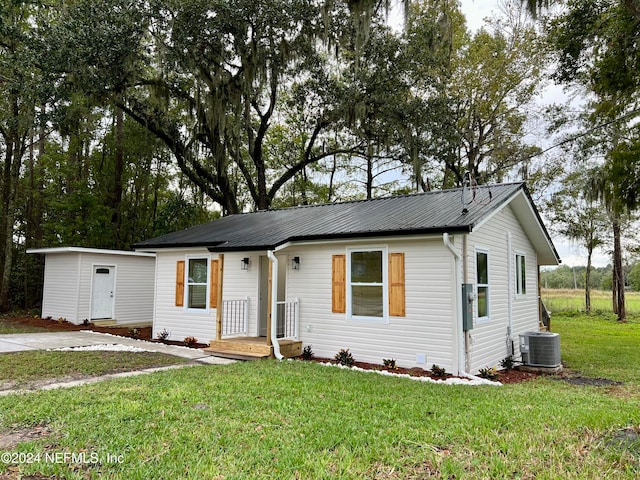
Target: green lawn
[
  {"x": 20, "y": 369},
  {"x": 599, "y": 346},
  {"x": 290, "y": 420}
]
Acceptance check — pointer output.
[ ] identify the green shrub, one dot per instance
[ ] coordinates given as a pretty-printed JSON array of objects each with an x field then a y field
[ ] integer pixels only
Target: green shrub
[
  {"x": 344, "y": 357},
  {"x": 163, "y": 336},
  {"x": 490, "y": 373},
  {"x": 508, "y": 363},
  {"x": 390, "y": 363},
  {"x": 438, "y": 371},
  {"x": 190, "y": 341},
  {"x": 307, "y": 353}
]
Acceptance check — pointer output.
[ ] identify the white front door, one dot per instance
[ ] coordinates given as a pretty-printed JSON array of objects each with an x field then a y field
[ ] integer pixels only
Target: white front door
[{"x": 102, "y": 292}]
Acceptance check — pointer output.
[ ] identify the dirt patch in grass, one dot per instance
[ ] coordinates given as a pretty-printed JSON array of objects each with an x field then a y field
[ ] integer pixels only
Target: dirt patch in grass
[
  {"x": 588, "y": 381},
  {"x": 9, "y": 439},
  {"x": 143, "y": 333}
]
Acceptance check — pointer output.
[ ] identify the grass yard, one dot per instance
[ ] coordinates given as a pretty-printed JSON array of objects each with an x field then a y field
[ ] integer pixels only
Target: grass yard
[
  {"x": 24, "y": 369},
  {"x": 300, "y": 420},
  {"x": 598, "y": 346}
]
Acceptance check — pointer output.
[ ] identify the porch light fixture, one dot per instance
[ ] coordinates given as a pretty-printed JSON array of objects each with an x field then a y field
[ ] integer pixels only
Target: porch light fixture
[
  {"x": 245, "y": 263},
  {"x": 295, "y": 263}
]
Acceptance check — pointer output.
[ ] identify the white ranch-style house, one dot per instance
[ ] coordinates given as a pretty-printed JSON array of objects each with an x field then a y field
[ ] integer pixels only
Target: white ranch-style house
[{"x": 446, "y": 277}]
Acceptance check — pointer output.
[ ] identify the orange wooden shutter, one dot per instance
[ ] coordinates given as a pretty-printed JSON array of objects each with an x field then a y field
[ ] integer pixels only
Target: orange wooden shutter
[
  {"x": 179, "y": 283},
  {"x": 339, "y": 284},
  {"x": 396, "y": 285},
  {"x": 213, "y": 284}
]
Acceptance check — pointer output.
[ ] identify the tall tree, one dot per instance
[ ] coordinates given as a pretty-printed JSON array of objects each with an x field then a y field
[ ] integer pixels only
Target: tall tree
[
  {"x": 205, "y": 77},
  {"x": 208, "y": 78},
  {"x": 575, "y": 212},
  {"x": 18, "y": 100},
  {"x": 536, "y": 6},
  {"x": 496, "y": 75},
  {"x": 597, "y": 50}
]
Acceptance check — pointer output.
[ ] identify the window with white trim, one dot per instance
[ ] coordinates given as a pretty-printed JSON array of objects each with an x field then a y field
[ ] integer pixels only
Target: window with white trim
[
  {"x": 197, "y": 283},
  {"x": 482, "y": 284},
  {"x": 367, "y": 284},
  {"x": 521, "y": 275}
]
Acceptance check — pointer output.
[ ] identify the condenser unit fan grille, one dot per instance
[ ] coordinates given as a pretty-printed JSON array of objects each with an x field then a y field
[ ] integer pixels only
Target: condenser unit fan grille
[{"x": 540, "y": 349}]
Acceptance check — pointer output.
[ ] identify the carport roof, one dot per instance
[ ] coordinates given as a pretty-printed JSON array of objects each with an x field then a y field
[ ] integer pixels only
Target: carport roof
[{"x": 452, "y": 211}]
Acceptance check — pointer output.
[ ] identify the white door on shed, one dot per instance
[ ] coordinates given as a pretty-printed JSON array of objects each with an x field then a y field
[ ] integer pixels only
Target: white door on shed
[{"x": 102, "y": 292}]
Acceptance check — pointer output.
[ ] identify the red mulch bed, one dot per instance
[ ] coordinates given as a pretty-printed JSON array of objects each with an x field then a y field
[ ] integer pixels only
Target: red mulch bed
[
  {"x": 143, "y": 333},
  {"x": 505, "y": 376}
]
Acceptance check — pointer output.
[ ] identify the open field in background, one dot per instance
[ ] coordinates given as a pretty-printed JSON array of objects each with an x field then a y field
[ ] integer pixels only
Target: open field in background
[
  {"x": 571, "y": 301},
  {"x": 295, "y": 420}
]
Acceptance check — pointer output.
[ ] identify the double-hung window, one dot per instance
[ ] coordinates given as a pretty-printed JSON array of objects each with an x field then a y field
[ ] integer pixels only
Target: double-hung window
[
  {"x": 482, "y": 284},
  {"x": 366, "y": 290},
  {"x": 521, "y": 275},
  {"x": 197, "y": 281}
]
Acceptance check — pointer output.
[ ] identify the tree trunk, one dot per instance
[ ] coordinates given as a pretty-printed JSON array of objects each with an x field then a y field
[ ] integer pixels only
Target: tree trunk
[
  {"x": 618, "y": 275},
  {"x": 334, "y": 168},
  {"x": 118, "y": 169},
  {"x": 11, "y": 174},
  {"x": 34, "y": 232},
  {"x": 369, "y": 184},
  {"x": 587, "y": 283}
]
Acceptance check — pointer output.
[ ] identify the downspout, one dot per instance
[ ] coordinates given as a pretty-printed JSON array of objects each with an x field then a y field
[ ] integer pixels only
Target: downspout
[
  {"x": 459, "y": 262},
  {"x": 458, "y": 289},
  {"x": 510, "y": 279},
  {"x": 465, "y": 277},
  {"x": 274, "y": 304}
]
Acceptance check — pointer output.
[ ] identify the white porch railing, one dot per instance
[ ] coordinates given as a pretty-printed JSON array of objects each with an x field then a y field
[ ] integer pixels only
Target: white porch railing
[
  {"x": 235, "y": 317},
  {"x": 288, "y": 319}
]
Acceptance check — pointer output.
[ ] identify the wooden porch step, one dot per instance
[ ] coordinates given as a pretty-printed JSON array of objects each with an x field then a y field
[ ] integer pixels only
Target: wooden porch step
[
  {"x": 234, "y": 354},
  {"x": 105, "y": 323},
  {"x": 252, "y": 347}
]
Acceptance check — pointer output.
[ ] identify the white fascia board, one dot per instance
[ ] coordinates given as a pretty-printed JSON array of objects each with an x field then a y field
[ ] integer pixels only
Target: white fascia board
[{"x": 100, "y": 251}]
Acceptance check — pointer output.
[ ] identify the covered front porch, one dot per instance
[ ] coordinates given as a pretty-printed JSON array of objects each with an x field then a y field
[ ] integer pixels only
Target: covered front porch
[{"x": 232, "y": 322}]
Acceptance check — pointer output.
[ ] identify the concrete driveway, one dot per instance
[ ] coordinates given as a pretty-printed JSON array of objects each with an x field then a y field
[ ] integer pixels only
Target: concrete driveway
[{"x": 18, "y": 342}]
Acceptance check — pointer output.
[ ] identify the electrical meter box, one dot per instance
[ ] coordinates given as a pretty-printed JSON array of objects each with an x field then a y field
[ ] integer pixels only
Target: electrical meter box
[{"x": 468, "y": 297}]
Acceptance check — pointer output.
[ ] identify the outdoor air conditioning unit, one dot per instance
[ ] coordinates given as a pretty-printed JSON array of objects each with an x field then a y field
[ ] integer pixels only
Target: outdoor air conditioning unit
[{"x": 540, "y": 349}]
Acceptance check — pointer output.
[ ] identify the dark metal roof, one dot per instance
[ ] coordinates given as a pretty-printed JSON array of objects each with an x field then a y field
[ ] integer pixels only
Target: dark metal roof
[{"x": 423, "y": 213}]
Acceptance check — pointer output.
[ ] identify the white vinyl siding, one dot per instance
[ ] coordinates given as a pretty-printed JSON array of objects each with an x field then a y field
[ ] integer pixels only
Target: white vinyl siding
[
  {"x": 181, "y": 321},
  {"x": 68, "y": 282},
  {"x": 490, "y": 340},
  {"x": 426, "y": 328},
  {"x": 61, "y": 290}
]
